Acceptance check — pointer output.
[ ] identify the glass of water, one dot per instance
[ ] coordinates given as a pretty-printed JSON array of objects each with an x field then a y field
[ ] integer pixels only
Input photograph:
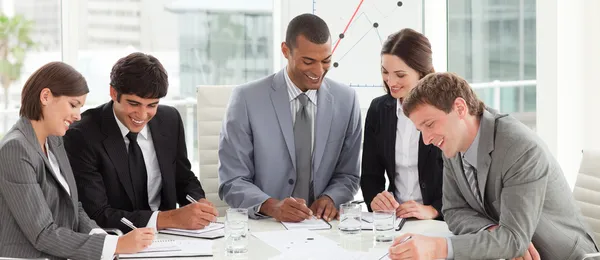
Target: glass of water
[
  {"x": 350, "y": 218},
  {"x": 236, "y": 231},
  {"x": 384, "y": 224}
]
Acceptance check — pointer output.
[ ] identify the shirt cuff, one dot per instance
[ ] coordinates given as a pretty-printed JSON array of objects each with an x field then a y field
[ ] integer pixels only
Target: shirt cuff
[
  {"x": 97, "y": 231},
  {"x": 152, "y": 220},
  {"x": 110, "y": 247},
  {"x": 450, "y": 249}
]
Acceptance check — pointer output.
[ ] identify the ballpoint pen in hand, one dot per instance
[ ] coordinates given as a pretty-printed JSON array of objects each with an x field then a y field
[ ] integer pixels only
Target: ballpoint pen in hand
[
  {"x": 401, "y": 242},
  {"x": 190, "y": 199},
  {"x": 127, "y": 223}
]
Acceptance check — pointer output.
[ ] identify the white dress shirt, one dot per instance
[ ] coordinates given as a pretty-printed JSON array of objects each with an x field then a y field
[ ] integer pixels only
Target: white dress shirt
[
  {"x": 146, "y": 144},
  {"x": 110, "y": 242},
  {"x": 407, "y": 158}
]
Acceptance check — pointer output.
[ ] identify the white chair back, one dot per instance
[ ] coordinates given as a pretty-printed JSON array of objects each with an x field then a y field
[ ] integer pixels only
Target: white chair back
[{"x": 587, "y": 189}]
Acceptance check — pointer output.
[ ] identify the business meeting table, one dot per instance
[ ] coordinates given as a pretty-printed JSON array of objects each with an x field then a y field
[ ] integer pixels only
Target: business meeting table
[{"x": 365, "y": 242}]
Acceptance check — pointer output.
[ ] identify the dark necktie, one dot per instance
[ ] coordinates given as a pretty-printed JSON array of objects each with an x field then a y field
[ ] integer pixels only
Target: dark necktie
[
  {"x": 137, "y": 171},
  {"x": 302, "y": 142}
]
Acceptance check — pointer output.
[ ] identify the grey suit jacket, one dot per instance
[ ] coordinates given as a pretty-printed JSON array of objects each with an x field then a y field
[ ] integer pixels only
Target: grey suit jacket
[
  {"x": 524, "y": 191},
  {"x": 38, "y": 218},
  {"x": 257, "y": 152}
]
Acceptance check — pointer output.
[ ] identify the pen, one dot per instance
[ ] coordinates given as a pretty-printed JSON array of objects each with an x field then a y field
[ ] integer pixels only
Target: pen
[
  {"x": 190, "y": 199},
  {"x": 401, "y": 242},
  {"x": 127, "y": 223}
]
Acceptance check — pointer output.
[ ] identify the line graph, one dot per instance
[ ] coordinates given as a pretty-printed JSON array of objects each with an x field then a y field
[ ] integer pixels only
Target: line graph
[{"x": 359, "y": 28}]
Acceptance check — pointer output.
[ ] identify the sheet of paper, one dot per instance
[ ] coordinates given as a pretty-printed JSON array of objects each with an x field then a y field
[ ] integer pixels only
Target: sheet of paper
[
  {"x": 210, "y": 227},
  {"x": 311, "y": 224},
  {"x": 186, "y": 248},
  {"x": 284, "y": 240}
]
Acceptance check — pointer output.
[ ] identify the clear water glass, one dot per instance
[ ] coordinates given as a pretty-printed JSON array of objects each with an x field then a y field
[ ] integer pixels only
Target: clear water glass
[
  {"x": 236, "y": 231},
  {"x": 384, "y": 224},
  {"x": 350, "y": 222}
]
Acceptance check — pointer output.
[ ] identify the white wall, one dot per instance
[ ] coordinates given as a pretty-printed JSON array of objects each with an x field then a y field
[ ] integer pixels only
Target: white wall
[{"x": 567, "y": 64}]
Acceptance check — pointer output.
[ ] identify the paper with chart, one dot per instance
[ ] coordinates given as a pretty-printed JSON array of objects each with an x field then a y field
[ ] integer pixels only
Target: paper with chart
[
  {"x": 310, "y": 224},
  {"x": 183, "y": 248},
  {"x": 213, "y": 230}
]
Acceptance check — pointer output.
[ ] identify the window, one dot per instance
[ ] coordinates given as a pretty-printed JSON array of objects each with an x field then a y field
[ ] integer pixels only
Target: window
[
  {"x": 492, "y": 44},
  {"x": 33, "y": 38}
]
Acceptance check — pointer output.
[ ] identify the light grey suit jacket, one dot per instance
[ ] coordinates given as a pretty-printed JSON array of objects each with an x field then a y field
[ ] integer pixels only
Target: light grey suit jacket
[
  {"x": 38, "y": 218},
  {"x": 525, "y": 192},
  {"x": 257, "y": 152}
]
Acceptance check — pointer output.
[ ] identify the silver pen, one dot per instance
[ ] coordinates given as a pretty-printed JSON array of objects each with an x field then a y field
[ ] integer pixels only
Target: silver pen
[
  {"x": 190, "y": 199},
  {"x": 401, "y": 242},
  {"x": 127, "y": 223}
]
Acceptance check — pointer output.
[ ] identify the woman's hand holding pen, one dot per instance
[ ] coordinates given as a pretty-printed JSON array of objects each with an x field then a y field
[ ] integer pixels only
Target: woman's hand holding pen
[{"x": 135, "y": 241}]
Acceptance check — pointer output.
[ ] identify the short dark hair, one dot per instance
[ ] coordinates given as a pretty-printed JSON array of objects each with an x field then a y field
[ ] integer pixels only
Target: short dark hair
[
  {"x": 141, "y": 75},
  {"x": 310, "y": 26},
  {"x": 60, "y": 78},
  {"x": 441, "y": 90},
  {"x": 413, "y": 48}
]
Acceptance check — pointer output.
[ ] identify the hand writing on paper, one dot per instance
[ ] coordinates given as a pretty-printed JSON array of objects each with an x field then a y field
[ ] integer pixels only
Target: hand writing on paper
[
  {"x": 191, "y": 216},
  {"x": 413, "y": 209},
  {"x": 418, "y": 247},
  {"x": 325, "y": 208},
  {"x": 384, "y": 201},
  {"x": 135, "y": 241}
]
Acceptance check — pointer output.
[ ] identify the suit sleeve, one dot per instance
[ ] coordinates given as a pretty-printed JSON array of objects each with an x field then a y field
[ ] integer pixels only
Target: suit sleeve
[
  {"x": 185, "y": 180},
  {"x": 459, "y": 216},
  {"x": 346, "y": 176},
  {"x": 372, "y": 179},
  {"x": 236, "y": 156},
  {"x": 90, "y": 185},
  {"x": 85, "y": 223},
  {"x": 523, "y": 194},
  {"x": 25, "y": 200}
]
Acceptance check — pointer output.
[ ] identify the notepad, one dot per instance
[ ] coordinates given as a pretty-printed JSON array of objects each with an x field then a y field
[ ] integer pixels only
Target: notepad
[
  {"x": 162, "y": 245},
  {"x": 310, "y": 224},
  {"x": 186, "y": 248},
  {"x": 213, "y": 230}
]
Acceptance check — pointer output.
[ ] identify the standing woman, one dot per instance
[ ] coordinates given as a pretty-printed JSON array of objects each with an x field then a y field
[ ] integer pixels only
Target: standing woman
[
  {"x": 40, "y": 215},
  {"x": 392, "y": 143}
]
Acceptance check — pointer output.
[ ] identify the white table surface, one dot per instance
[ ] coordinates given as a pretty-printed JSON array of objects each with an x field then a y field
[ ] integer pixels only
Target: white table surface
[{"x": 257, "y": 249}]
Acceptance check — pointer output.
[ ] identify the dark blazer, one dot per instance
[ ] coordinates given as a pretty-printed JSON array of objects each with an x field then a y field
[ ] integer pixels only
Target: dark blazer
[
  {"x": 379, "y": 156},
  {"x": 38, "y": 217},
  {"x": 98, "y": 156}
]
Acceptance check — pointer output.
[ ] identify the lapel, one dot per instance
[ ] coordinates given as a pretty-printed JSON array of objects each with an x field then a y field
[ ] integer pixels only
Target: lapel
[
  {"x": 281, "y": 103},
  {"x": 322, "y": 123},
  {"x": 160, "y": 140},
  {"x": 422, "y": 157},
  {"x": 390, "y": 123},
  {"x": 115, "y": 148},
  {"x": 55, "y": 144},
  {"x": 27, "y": 129},
  {"x": 486, "y": 146},
  {"x": 463, "y": 184}
]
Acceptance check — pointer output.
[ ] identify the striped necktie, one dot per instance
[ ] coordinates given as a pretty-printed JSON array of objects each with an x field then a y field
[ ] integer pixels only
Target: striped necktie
[{"x": 471, "y": 176}]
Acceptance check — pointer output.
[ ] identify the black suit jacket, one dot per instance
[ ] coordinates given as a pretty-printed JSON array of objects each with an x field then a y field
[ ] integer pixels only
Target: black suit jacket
[
  {"x": 379, "y": 156},
  {"x": 98, "y": 156}
]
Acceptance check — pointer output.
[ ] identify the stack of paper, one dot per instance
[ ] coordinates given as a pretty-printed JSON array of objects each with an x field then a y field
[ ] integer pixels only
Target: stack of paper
[
  {"x": 310, "y": 224},
  {"x": 184, "y": 248},
  {"x": 213, "y": 230}
]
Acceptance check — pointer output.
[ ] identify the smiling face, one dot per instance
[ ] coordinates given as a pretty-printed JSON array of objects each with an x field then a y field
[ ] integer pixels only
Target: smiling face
[
  {"x": 446, "y": 131},
  {"x": 399, "y": 77},
  {"x": 133, "y": 111},
  {"x": 307, "y": 62},
  {"x": 59, "y": 112}
]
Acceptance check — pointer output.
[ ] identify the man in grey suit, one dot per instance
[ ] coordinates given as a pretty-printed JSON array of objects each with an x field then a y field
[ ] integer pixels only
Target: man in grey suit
[
  {"x": 504, "y": 194},
  {"x": 290, "y": 141}
]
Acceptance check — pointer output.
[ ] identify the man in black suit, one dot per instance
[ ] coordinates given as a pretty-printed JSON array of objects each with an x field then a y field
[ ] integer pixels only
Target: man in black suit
[{"x": 129, "y": 155}]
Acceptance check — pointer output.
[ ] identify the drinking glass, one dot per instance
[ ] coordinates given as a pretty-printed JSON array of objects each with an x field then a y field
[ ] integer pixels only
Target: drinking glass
[
  {"x": 384, "y": 225},
  {"x": 236, "y": 230},
  {"x": 350, "y": 222}
]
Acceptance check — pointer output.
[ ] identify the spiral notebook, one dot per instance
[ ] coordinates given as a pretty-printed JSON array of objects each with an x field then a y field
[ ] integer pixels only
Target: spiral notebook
[
  {"x": 212, "y": 231},
  {"x": 174, "y": 248}
]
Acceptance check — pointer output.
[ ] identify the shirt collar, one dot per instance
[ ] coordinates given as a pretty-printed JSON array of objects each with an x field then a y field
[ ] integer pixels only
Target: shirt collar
[
  {"x": 471, "y": 154},
  {"x": 124, "y": 130},
  {"x": 399, "y": 110},
  {"x": 294, "y": 91}
]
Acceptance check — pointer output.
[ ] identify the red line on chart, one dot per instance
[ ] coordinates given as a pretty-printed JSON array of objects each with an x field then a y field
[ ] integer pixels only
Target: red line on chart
[{"x": 347, "y": 25}]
